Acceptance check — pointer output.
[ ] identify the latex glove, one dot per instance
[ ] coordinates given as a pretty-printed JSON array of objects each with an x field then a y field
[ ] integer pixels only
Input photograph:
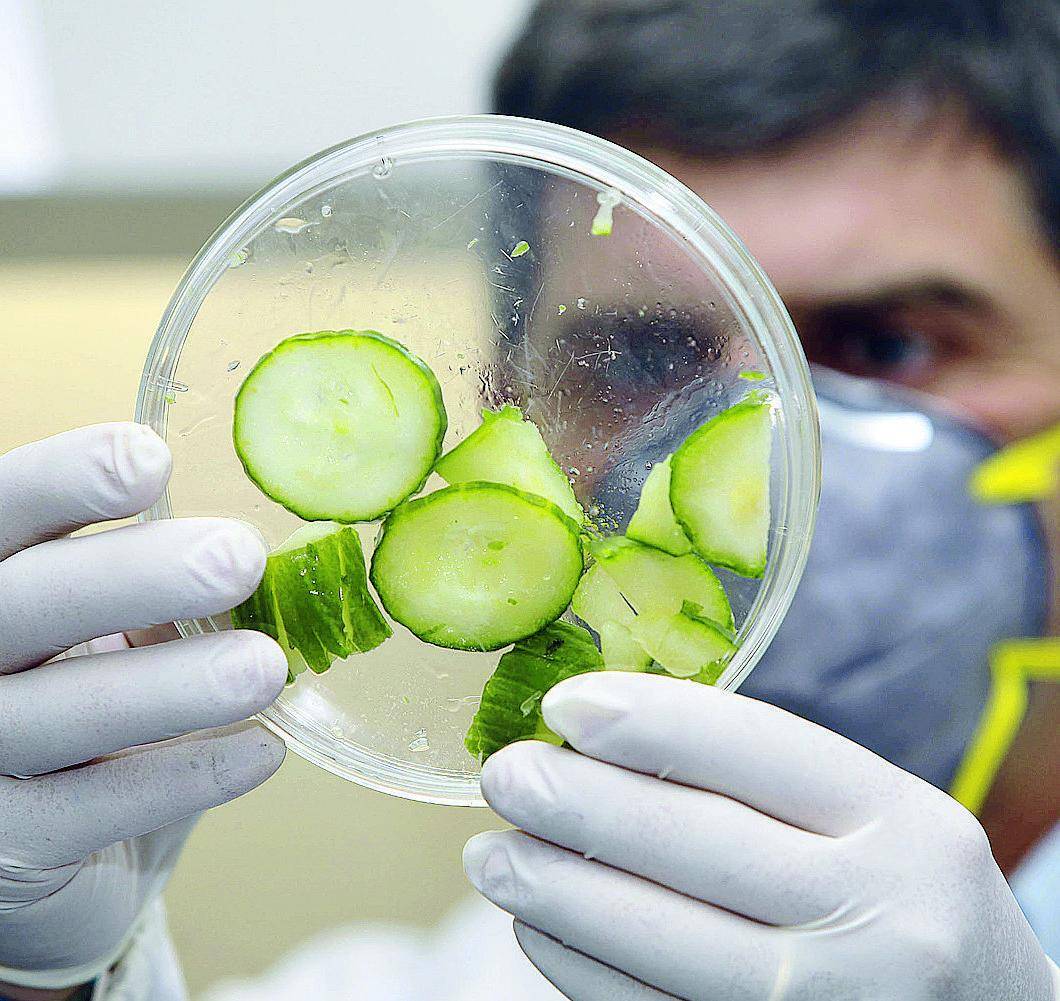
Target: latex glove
[
  {"x": 90, "y": 837},
  {"x": 755, "y": 856}
]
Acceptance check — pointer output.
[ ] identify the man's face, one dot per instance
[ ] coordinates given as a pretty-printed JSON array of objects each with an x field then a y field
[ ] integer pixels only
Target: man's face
[{"x": 918, "y": 261}]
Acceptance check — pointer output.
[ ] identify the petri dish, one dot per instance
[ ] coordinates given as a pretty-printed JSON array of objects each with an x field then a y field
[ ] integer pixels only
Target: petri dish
[{"x": 526, "y": 263}]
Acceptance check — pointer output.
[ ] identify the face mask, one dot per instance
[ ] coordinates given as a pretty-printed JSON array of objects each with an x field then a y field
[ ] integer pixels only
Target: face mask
[{"x": 909, "y": 584}]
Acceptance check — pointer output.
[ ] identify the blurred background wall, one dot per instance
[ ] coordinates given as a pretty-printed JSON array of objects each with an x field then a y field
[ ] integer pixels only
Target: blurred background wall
[{"x": 128, "y": 131}]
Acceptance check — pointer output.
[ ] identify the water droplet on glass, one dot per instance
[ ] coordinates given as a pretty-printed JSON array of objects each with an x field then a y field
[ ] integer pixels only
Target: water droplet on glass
[
  {"x": 232, "y": 366},
  {"x": 383, "y": 168},
  {"x": 420, "y": 741},
  {"x": 239, "y": 258},
  {"x": 326, "y": 210},
  {"x": 290, "y": 224},
  {"x": 531, "y": 703}
]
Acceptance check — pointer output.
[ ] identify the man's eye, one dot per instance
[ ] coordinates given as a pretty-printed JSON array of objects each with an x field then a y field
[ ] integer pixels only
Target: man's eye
[{"x": 868, "y": 345}]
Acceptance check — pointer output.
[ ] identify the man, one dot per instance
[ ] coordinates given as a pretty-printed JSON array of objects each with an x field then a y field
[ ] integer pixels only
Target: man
[
  {"x": 895, "y": 173},
  {"x": 896, "y": 176}
]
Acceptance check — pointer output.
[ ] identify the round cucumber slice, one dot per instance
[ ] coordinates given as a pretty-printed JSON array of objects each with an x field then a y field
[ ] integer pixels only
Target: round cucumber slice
[
  {"x": 339, "y": 425},
  {"x": 477, "y": 566}
]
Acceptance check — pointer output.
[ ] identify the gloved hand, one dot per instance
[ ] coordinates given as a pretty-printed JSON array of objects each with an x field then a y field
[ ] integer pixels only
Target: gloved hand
[
  {"x": 98, "y": 787},
  {"x": 707, "y": 846}
]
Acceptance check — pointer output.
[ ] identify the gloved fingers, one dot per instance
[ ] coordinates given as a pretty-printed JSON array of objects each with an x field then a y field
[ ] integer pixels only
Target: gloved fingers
[
  {"x": 51, "y": 487},
  {"x": 672, "y": 942},
  {"x": 56, "y": 819},
  {"x": 72, "y": 710},
  {"x": 707, "y": 846},
  {"x": 578, "y": 977},
  {"x": 705, "y": 737},
  {"x": 59, "y": 593}
]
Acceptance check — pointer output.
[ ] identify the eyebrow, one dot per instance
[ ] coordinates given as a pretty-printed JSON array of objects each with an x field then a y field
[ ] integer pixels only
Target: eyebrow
[{"x": 929, "y": 290}]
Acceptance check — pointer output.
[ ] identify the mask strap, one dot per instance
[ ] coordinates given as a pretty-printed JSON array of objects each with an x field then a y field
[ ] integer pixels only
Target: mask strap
[
  {"x": 1023, "y": 472},
  {"x": 1013, "y": 665}
]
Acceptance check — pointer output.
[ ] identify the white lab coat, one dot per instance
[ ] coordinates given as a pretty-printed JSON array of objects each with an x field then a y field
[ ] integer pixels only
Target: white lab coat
[{"x": 470, "y": 956}]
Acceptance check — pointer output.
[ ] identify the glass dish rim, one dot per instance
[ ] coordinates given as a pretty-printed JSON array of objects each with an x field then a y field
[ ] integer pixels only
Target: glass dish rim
[{"x": 604, "y": 164}]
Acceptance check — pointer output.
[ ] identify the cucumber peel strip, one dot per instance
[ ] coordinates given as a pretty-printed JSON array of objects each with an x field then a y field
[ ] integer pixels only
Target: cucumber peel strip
[
  {"x": 511, "y": 701},
  {"x": 314, "y": 601}
]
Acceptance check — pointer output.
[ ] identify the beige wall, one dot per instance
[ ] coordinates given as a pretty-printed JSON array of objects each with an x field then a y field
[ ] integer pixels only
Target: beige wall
[{"x": 307, "y": 850}]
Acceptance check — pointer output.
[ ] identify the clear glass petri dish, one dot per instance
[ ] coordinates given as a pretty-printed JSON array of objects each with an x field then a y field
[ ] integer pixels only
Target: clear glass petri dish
[{"x": 527, "y": 264}]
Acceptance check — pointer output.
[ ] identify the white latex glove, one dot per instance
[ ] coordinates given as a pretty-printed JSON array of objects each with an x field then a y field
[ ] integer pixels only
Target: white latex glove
[
  {"x": 110, "y": 788},
  {"x": 707, "y": 846}
]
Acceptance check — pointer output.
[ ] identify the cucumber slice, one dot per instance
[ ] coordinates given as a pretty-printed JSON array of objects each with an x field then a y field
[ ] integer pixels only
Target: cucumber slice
[
  {"x": 511, "y": 701},
  {"x": 656, "y": 583},
  {"x": 621, "y": 652},
  {"x": 685, "y": 643},
  {"x": 314, "y": 601},
  {"x": 653, "y": 523},
  {"x": 505, "y": 448},
  {"x": 719, "y": 487},
  {"x": 598, "y": 601},
  {"x": 339, "y": 425},
  {"x": 477, "y": 566}
]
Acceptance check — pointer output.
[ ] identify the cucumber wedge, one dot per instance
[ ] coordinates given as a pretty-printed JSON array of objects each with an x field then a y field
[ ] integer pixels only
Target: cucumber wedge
[
  {"x": 719, "y": 487},
  {"x": 477, "y": 566},
  {"x": 656, "y": 583},
  {"x": 339, "y": 425},
  {"x": 314, "y": 601},
  {"x": 505, "y": 448},
  {"x": 598, "y": 600},
  {"x": 684, "y": 643},
  {"x": 621, "y": 652},
  {"x": 653, "y": 523},
  {"x": 511, "y": 701}
]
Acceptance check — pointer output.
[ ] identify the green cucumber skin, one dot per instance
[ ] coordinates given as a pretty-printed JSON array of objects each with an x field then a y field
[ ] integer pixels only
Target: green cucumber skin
[
  {"x": 680, "y": 467},
  {"x": 469, "y": 490},
  {"x": 363, "y": 625},
  {"x": 311, "y": 514},
  {"x": 511, "y": 700},
  {"x": 317, "y": 627},
  {"x": 619, "y": 547}
]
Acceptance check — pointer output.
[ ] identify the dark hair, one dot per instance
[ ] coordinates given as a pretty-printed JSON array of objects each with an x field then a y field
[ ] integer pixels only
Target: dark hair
[{"x": 724, "y": 77}]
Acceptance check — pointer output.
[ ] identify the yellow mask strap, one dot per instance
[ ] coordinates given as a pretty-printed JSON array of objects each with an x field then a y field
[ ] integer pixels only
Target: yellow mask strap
[
  {"x": 1013, "y": 665},
  {"x": 1025, "y": 471}
]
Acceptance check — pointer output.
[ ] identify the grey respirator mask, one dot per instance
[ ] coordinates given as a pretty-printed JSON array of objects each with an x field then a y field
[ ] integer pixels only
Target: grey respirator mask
[{"x": 909, "y": 584}]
